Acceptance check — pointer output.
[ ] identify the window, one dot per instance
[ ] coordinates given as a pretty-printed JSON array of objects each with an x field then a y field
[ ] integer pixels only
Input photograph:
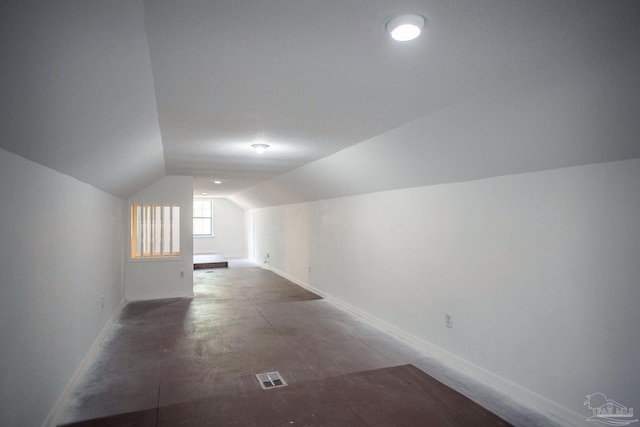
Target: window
[
  {"x": 155, "y": 231},
  {"x": 202, "y": 218}
]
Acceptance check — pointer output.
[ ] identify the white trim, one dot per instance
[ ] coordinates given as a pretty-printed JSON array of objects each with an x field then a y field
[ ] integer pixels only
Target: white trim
[
  {"x": 54, "y": 413},
  {"x": 226, "y": 256},
  {"x": 551, "y": 412},
  {"x": 234, "y": 256}
]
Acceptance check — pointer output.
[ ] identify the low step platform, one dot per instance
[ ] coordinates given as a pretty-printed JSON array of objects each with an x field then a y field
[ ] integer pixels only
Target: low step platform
[{"x": 207, "y": 261}]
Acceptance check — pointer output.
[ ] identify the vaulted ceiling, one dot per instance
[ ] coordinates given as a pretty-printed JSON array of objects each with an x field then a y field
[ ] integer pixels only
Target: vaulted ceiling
[{"x": 120, "y": 93}]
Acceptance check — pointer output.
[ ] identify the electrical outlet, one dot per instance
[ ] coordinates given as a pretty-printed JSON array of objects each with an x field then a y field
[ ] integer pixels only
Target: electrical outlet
[
  {"x": 448, "y": 320},
  {"x": 182, "y": 274}
]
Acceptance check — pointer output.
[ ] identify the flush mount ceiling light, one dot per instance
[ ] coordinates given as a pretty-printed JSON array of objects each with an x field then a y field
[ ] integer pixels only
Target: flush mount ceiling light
[
  {"x": 217, "y": 182},
  {"x": 406, "y": 27},
  {"x": 260, "y": 148}
]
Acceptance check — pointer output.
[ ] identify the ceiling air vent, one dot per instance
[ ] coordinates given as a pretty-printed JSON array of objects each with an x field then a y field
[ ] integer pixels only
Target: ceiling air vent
[{"x": 270, "y": 380}]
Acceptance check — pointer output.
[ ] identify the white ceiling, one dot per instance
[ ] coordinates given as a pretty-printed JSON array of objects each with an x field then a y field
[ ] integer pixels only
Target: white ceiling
[
  {"x": 313, "y": 77},
  {"x": 120, "y": 93}
]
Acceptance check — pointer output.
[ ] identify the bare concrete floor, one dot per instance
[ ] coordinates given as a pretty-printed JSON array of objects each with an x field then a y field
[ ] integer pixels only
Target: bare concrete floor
[{"x": 192, "y": 362}]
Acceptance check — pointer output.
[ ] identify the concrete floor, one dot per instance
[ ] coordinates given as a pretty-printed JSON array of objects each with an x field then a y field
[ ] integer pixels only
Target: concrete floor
[{"x": 192, "y": 362}]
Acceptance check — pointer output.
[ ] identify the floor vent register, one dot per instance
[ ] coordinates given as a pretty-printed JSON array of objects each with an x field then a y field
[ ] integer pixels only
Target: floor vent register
[{"x": 271, "y": 380}]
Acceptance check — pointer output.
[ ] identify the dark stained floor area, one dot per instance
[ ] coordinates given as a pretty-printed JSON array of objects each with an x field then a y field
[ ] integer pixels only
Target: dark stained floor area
[
  {"x": 192, "y": 362},
  {"x": 209, "y": 261}
]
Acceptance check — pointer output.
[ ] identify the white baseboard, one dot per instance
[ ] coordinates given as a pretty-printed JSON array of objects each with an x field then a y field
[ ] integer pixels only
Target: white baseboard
[
  {"x": 233, "y": 255},
  {"x": 223, "y": 255},
  {"x": 54, "y": 413},
  {"x": 547, "y": 411}
]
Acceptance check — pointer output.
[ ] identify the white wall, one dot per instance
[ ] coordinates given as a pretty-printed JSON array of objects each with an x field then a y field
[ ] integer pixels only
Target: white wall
[
  {"x": 540, "y": 272},
  {"x": 161, "y": 278},
  {"x": 283, "y": 233},
  {"x": 228, "y": 229},
  {"x": 61, "y": 249}
]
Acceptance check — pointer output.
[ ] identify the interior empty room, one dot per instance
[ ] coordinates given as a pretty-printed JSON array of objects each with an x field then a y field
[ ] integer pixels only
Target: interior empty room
[{"x": 271, "y": 212}]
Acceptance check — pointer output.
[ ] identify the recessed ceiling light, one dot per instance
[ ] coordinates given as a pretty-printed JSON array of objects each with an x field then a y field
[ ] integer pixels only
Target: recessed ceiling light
[
  {"x": 204, "y": 194},
  {"x": 406, "y": 27},
  {"x": 260, "y": 148},
  {"x": 217, "y": 182}
]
